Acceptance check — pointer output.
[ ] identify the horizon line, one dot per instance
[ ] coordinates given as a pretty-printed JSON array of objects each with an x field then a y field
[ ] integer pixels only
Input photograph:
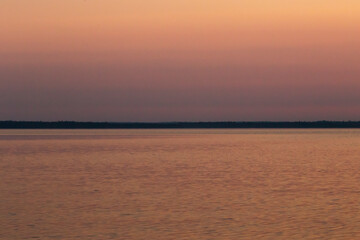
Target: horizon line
[{"x": 11, "y": 124}]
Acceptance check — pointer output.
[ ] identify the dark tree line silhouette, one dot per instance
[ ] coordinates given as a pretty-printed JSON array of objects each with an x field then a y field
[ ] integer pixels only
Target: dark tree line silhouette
[{"x": 173, "y": 125}]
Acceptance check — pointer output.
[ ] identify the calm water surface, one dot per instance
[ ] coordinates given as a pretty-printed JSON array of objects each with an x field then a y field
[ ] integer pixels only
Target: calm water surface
[{"x": 179, "y": 184}]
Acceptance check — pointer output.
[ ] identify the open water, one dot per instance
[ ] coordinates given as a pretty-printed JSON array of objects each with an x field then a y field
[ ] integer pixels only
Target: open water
[{"x": 180, "y": 184}]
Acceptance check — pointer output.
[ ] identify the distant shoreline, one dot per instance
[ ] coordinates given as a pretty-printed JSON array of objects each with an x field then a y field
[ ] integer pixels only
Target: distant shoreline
[{"x": 174, "y": 125}]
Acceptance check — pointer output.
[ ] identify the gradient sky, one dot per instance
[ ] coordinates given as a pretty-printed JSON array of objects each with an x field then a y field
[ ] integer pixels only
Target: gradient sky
[{"x": 179, "y": 60}]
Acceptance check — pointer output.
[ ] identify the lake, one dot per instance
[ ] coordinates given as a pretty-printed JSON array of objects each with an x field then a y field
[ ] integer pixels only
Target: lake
[{"x": 180, "y": 184}]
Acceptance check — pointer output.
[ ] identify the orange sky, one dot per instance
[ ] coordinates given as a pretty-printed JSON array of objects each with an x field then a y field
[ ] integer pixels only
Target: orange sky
[{"x": 179, "y": 60}]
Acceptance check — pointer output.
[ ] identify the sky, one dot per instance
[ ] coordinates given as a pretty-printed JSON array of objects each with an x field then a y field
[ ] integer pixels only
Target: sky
[{"x": 179, "y": 60}]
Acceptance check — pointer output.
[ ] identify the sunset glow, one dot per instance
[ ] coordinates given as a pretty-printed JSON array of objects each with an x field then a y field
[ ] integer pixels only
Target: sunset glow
[{"x": 179, "y": 60}]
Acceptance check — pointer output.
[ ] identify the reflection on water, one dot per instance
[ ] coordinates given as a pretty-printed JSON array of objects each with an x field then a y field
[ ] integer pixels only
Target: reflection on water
[{"x": 179, "y": 184}]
